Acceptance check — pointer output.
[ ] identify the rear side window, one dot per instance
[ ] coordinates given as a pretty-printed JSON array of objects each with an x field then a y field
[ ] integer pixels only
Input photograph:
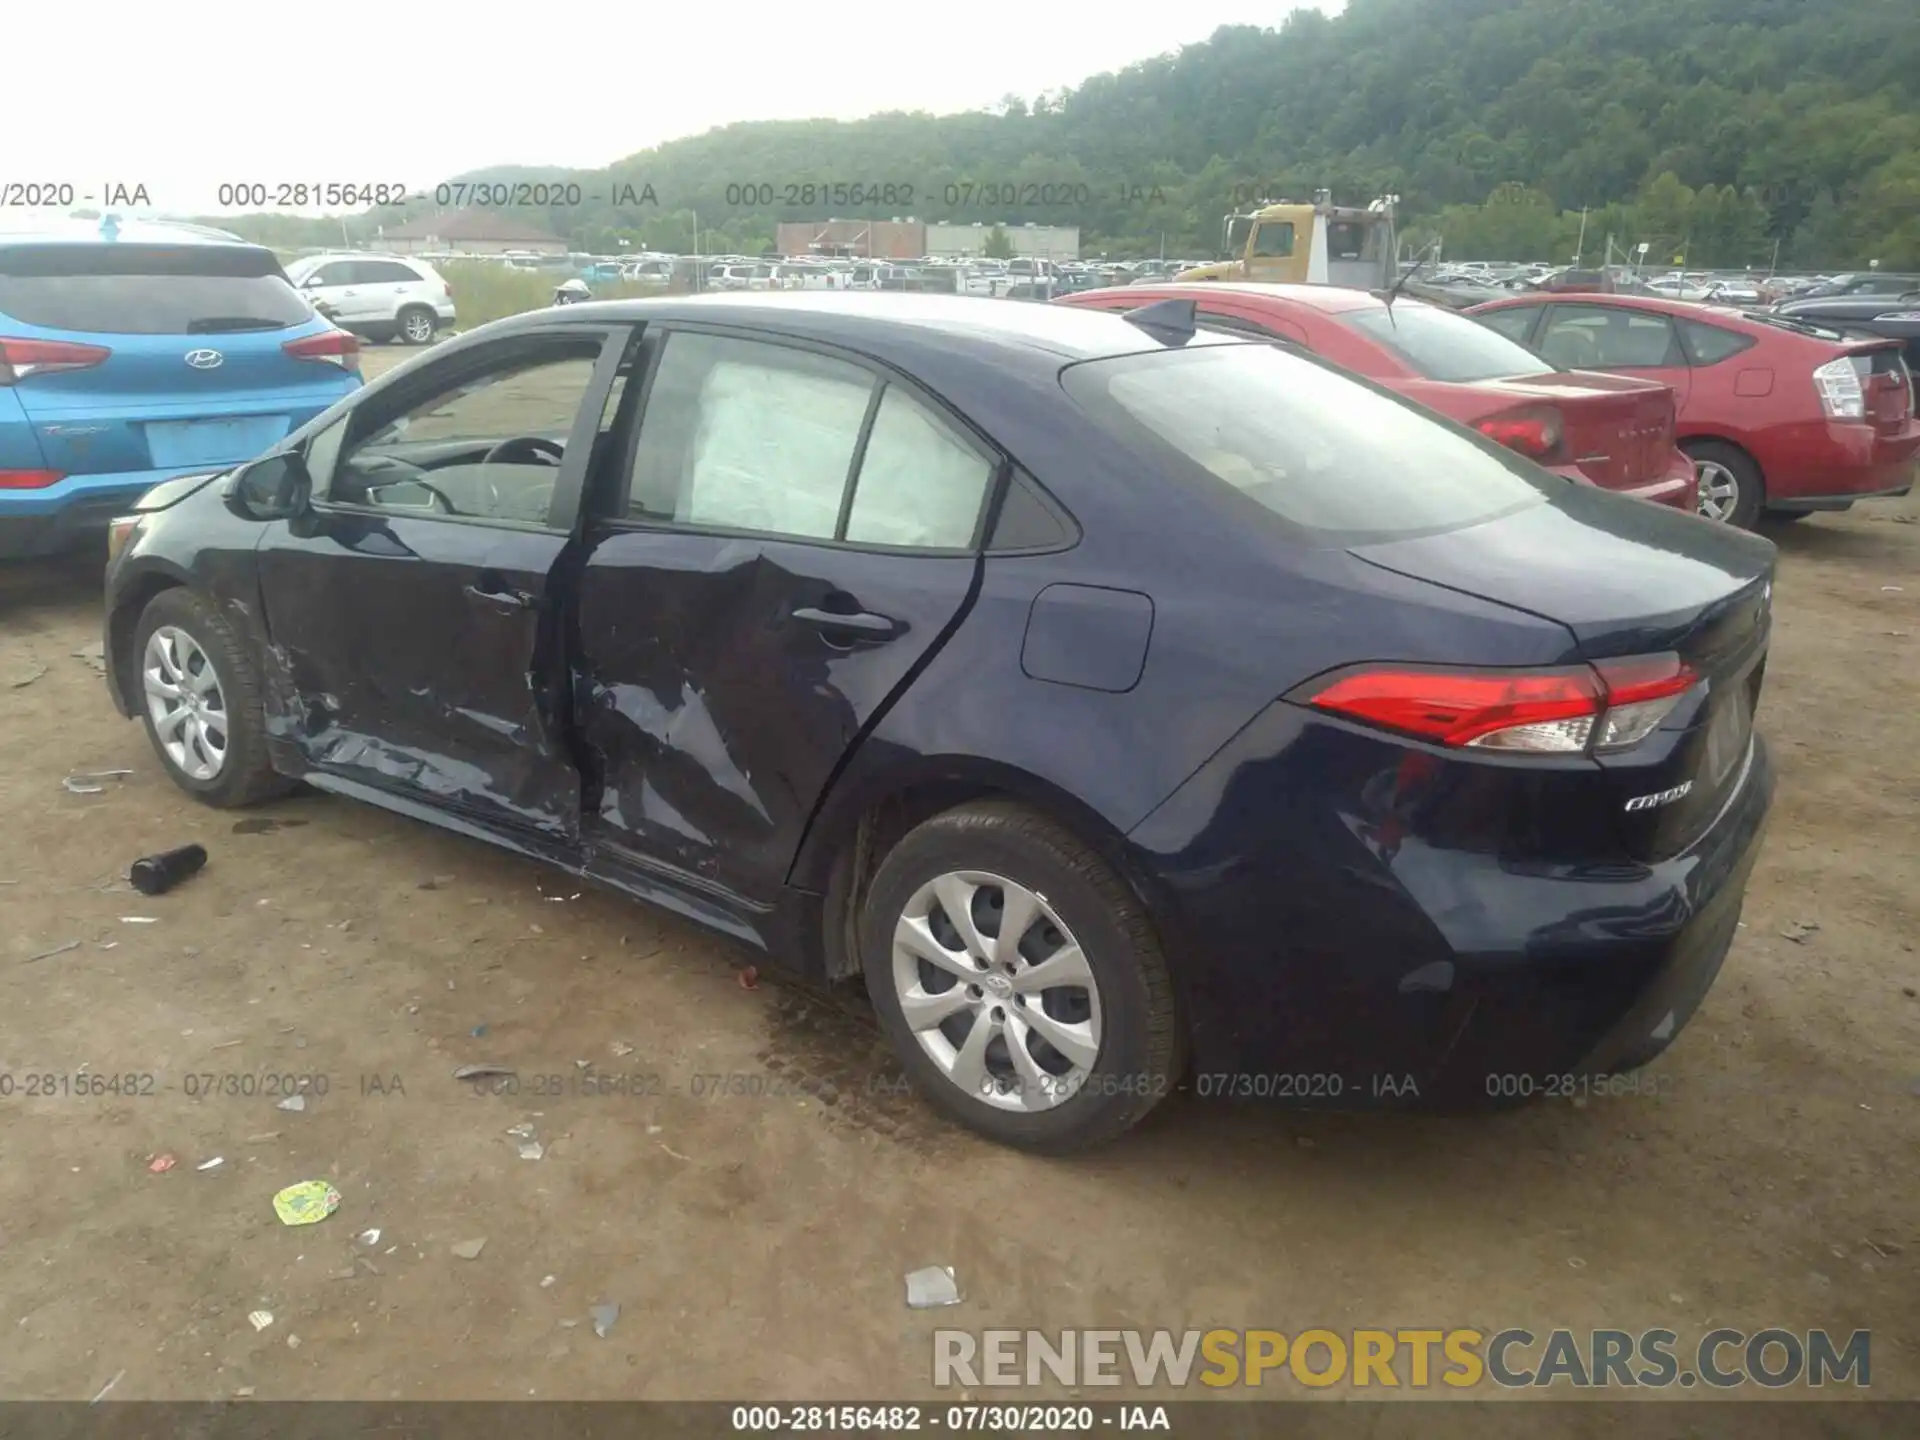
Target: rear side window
[
  {"x": 1709, "y": 344},
  {"x": 1604, "y": 337},
  {"x": 744, "y": 435},
  {"x": 148, "y": 289},
  {"x": 1444, "y": 346},
  {"x": 384, "y": 272},
  {"x": 1341, "y": 461},
  {"x": 1514, "y": 323}
]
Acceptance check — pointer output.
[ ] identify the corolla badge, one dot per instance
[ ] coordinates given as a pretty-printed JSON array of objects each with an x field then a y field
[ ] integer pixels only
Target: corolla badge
[
  {"x": 204, "y": 359},
  {"x": 1662, "y": 797}
]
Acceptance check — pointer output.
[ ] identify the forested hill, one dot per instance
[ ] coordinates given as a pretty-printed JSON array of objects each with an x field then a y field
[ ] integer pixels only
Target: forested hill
[{"x": 1789, "y": 120}]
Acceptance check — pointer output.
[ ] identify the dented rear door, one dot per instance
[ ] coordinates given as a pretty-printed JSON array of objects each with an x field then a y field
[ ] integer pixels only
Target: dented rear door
[{"x": 791, "y": 538}]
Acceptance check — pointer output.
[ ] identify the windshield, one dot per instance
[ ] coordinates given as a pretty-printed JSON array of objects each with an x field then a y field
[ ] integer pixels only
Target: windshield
[
  {"x": 1442, "y": 345},
  {"x": 1340, "y": 460}
]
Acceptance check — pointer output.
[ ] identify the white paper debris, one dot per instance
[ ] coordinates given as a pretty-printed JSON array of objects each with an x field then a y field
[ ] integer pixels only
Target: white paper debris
[{"x": 932, "y": 1287}]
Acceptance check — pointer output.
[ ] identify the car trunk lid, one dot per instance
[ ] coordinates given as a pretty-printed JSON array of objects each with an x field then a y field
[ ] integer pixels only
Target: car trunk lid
[
  {"x": 1886, "y": 385},
  {"x": 1617, "y": 430},
  {"x": 1629, "y": 581}
]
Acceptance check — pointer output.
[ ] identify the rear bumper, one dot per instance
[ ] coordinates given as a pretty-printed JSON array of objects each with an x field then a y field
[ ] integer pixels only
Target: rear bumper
[
  {"x": 1828, "y": 466},
  {"x": 74, "y": 511},
  {"x": 1345, "y": 961},
  {"x": 1677, "y": 488}
]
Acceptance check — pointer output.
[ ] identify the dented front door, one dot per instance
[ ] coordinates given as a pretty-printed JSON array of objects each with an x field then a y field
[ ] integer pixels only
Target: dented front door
[
  {"x": 417, "y": 636},
  {"x": 408, "y": 655}
]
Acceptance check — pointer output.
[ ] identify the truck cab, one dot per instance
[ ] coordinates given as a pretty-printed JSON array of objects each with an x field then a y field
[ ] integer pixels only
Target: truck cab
[{"x": 1313, "y": 244}]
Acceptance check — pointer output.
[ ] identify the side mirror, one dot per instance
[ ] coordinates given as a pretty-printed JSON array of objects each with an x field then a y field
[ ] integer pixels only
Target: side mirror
[
  {"x": 277, "y": 487},
  {"x": 311, "y": 282}
]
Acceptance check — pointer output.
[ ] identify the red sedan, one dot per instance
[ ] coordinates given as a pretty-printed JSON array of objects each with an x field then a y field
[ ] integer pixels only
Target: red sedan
[
  {"x": 1779, "y": 415},
  {"x": 1614, "y": 431}
]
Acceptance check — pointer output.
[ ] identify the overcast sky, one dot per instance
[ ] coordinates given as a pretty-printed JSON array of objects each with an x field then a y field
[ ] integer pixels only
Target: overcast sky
[{"x": 186, "y": 95}]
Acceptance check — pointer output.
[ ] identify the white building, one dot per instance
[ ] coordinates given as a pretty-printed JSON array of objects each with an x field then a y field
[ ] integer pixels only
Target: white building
[{"x": 1041, "y": 242}]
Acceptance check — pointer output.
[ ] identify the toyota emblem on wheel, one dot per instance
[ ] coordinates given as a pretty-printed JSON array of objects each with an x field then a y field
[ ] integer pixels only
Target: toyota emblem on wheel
[{"x": 204, "y": 359}]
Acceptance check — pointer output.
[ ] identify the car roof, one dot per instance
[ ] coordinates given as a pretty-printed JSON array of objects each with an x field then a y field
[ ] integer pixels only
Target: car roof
[
  {"x": 1329, "y": 299},
  {"x": 114, "y": 229},
  {"x": 904, "y": 327}
]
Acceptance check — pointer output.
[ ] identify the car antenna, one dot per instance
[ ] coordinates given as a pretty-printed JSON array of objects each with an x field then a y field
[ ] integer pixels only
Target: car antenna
[
  {"x": 1393, "y": 292},
  {"x": 1173, "y": 322}
]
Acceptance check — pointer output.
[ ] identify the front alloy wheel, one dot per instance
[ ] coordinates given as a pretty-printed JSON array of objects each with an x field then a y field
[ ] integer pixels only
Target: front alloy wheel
[
  {"x": 996, "y": 991},
  {"x": 199, "y": 688},
  {"x": 185, "y": 702}
]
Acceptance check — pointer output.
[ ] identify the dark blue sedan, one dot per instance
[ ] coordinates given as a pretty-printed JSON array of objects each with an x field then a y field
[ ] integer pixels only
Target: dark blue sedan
[{"x": 1130, "y": 705}]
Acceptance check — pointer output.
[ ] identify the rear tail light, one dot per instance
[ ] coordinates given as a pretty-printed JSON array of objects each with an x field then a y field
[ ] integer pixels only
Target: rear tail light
[
  {"x": 1536, "y": 432},
  {"x": 29, "y": 479},
  {"x": 331, "y": 347},
  {"x": 1608, "y": 706},
  {"x": 1842, "y": 395},
  {"x": 21, "y": 358}
]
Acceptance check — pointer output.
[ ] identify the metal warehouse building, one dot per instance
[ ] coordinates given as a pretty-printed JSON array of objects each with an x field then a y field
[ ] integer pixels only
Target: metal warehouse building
[
  {"x": 910, "y": 239},
  {"x": 1039, "y": 242},
  {"x": 881, "y": 239}
]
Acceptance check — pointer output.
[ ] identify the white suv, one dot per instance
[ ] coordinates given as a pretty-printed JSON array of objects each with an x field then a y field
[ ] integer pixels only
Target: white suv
[{"x": 378, "y": 297}]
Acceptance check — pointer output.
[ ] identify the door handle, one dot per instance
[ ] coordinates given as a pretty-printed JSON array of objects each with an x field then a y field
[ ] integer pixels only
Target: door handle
[
  {"x": 859, "y": 620},
  {"x": 502, "y": 599}
]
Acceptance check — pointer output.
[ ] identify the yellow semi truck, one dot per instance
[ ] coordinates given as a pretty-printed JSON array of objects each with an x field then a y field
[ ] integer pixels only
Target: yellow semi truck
[{"x": 1315, "y": 244}]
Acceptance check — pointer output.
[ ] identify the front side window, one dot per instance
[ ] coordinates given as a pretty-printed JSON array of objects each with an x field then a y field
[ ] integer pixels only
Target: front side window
[
  {"x": 488, "y": 446},
  {"x": 1273, "y": 239},
  {"x": 1339, "y": 461}
]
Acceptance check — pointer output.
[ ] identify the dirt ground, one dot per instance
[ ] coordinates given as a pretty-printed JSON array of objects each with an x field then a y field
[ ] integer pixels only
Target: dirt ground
[{"x": 756, "y": 1242}]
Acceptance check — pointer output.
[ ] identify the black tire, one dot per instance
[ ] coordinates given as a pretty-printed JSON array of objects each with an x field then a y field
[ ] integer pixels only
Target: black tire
[
  {"x": 1750, "y": 492},
  {"x": 1142, "y": 1043},
  {"x": 415, "y": 325},
  {"x": 246, "y": 776}
]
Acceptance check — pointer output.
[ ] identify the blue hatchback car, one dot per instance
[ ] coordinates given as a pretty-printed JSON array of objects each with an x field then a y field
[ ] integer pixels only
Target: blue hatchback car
[{"x": 132, "y": 352}]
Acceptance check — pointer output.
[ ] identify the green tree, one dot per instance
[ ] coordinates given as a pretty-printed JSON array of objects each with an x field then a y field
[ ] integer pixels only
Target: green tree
[{"x": 997, "y": 246}]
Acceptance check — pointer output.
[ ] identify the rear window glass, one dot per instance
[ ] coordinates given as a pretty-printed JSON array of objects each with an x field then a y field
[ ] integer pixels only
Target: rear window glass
[
  {"x": 1444, "y": 346},
  {"x": 1341, "y": 461},
  {"x": 148, "y": 289}
]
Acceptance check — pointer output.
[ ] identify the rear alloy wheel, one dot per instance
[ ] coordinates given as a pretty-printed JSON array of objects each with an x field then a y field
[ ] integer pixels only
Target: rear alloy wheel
[
  {"x": 1730, "y": 487},
  {"x": 199, "y": 695},
  {"x": 1019, "y": 979},
  {"x": 417, "y": 325}
]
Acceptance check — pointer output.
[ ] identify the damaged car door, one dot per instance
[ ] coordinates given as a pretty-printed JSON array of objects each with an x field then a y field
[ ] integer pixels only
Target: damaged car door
[
  {"x": 789, "y": 535},
  {"x": 416, "y": 639}
]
